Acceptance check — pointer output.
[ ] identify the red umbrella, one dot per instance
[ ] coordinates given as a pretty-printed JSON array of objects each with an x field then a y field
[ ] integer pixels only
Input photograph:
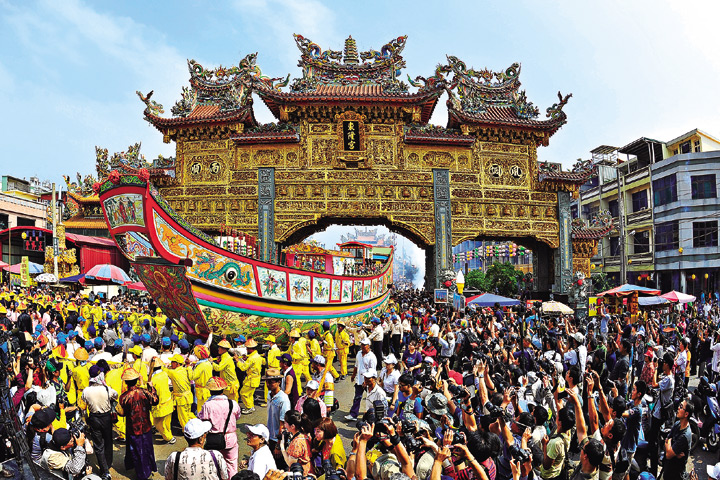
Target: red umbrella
[
  {"x": 136, "y": 286},
  {"x": 108, "y": 273},
  {"x": 680, "y": 297}
]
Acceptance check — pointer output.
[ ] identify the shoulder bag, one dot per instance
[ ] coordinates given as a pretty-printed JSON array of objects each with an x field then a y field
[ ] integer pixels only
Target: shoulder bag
[{"x": 216, "y": 441}]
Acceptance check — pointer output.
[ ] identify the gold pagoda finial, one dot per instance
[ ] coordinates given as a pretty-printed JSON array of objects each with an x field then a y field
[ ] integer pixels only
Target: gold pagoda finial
[{"x": 350, "y": 55}]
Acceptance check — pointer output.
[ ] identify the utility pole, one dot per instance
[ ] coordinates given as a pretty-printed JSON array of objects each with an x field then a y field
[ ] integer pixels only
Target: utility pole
[
  {"x": 621, "y": 220},
  {"x": 53, "y": 206}
]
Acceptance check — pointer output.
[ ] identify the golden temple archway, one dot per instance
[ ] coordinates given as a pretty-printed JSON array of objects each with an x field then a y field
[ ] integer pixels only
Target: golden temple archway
[{"x": 353, "y": 142}]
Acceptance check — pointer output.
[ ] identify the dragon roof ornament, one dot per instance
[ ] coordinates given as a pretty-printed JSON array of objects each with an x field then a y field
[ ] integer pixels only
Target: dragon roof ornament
[
  {"x": 334, "y": 67},
  {"x": 599, "y": 226},
  {"x": 131, "y": 160}
]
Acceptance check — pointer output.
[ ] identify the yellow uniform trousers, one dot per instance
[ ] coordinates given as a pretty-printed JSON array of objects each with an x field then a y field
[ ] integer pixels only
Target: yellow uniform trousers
[
  {"x": 162, "y": 425},
  {"x": 247, "y": 395},
  {"x": 343, "y": 356},
  {"x": 301, "y": 371},
  {"x": 329, "y": 357}
]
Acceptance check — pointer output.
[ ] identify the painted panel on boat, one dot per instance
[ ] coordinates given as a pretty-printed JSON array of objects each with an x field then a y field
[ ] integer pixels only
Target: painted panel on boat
[
  {"x": 374, "y": 287},
  {"x": 125, "y": 209},
  {"x": 357, "y": 290},
  {"x": 134, "y": 244},
  {"x": 335, "y": 291},
  {"x": 347, "y": 291},
  {"x": 366, "y": 289},
  {"x": 321, "y": 292},
  {"x": 272, "y": 283},
  {"x": 299, "y": 288}
]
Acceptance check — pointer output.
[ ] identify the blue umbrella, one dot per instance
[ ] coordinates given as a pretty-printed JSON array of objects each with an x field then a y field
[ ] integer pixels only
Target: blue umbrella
[{"x": 489, "y": 300}]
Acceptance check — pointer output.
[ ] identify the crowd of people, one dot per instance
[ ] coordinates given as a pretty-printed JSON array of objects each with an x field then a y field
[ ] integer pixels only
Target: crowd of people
[{"x": 485, "y": 393}]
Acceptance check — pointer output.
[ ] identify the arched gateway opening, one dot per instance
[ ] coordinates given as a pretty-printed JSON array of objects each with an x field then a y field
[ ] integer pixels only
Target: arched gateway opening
[{"x": 353, "y": 144}]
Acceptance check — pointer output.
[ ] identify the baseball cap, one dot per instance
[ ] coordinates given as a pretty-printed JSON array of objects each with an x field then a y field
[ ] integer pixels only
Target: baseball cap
[
  {"x": 260, "y": 430},
  {"x": 365, "y": 341},
  {"x": 61, "y": 437},
  {"x": 713, "y": 471},
  {"x": 370, "y": 374},
  {"x": 312, "y": 385},
  {"x": 285, "y": 357},
  {"x": 42, "y": 418},
  {"x": 390, "y": 359},
  {"x": 166, "y": 342},
  {"x": 196, "y": 428},
  {"x": 319, "y": 359}
]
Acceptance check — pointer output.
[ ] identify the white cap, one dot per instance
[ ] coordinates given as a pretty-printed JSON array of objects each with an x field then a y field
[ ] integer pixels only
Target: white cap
[
  {"x": 370, "y": 374},
  {"x": 713, "y": 471},
  {"x": 390, "y": 359},
  {"x": 429, "y": 359},
  {"x": 260, "y": 430},
  {"x": 365, "y": 341},
  {"x": 196, "y": 428},
  {"x": 312, "y": 385},
  {"x": 319, "y": 359}
]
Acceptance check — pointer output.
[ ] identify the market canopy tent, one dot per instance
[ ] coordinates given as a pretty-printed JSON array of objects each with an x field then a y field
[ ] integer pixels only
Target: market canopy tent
[
  {"x": 650, "y": 301},
  {"x": 136, "y": 286},
  {"x": 46, "y": 278},
  {"x": 34, "y": 268},
  {"x": 678, "y": 297},
  {"x": 628, "y": 289},
  {"x": 73, "y": 279},
  {"x": 489, "y": 300}
]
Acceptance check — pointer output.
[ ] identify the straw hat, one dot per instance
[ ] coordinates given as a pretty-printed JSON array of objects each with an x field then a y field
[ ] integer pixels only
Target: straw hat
[
  {"x": 251, "y": 343},
  {"x": 156, "y": 363},
  {"x": 130, "y": 374},
  {"x": 224, "y": 344},
  {"x": 81, "y": 354},
  {"x": 272, "y": 374},
  {"x": 216, "y": 384},
  {"x": 294, "y": 333}
]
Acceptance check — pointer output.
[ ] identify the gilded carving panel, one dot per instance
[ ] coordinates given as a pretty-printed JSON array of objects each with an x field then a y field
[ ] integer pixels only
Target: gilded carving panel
[{"x": 207, "y": 169}]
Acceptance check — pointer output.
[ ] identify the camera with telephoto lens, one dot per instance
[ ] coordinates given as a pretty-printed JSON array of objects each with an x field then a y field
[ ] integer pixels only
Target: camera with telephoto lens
[
  {"x": 459, "y": 438},
  {"x": 331, "y": 473},
  {"x": 496, "y": 412},
  {"x": 77, "y": 427},
  {"x": 296, "y": 473},
  {"x": 519, "y": 454},
  {"x": 409, "y": 439}
]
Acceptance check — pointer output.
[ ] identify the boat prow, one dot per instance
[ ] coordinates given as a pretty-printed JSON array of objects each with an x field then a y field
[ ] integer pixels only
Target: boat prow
[{"x": 207, "y": 288}]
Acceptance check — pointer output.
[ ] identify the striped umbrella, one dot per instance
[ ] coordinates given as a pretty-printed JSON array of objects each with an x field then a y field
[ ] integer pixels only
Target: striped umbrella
[{"x": 108, "y": 273}]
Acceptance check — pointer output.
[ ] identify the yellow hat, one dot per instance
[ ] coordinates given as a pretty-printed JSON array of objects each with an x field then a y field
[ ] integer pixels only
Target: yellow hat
[
  {"x": 136, "y": 350},
  {"x": 216, "y": 384},
  {"x": 130, "y": 374},
  {"x": 201, "y": 351},
  {"x": 81, "y": 354},
  {"x": 72, "y": 307},
  {"x": 3, "y": 309},
  {"x": 224, "y": 344},
  {"x": 158, "y": 310},
  {"x": 22, "y": 306},
  {"x": 177, "y": 358},
  {"x": 294, "y": 333},
  {"x": 270, "y": 338}
]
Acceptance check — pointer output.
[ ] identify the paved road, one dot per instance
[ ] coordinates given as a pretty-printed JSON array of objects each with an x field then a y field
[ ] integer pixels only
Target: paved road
[{"x": 344, "y": 392}]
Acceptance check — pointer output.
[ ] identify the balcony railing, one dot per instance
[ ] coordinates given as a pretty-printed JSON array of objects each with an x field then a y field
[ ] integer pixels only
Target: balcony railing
[
  {"x": 641, "y": 258},
  {"x": 612, "y": 261},
  {"x": 639, "y": 216}
]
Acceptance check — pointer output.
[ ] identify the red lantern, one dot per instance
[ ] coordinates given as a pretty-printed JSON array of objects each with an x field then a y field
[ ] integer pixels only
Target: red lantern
[
  {"x": 447, "y": 283},
  {"x": 580, "y": 281}
]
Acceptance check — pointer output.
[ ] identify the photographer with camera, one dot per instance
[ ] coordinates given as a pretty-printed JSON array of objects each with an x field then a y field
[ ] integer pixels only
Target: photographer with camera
[
  {"x": 396, "y": 460},
  {"x": 65, "y": 454}
]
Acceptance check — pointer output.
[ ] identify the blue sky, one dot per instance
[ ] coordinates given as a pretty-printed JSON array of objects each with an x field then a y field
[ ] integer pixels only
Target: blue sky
[{"x": 69, "y": 68}]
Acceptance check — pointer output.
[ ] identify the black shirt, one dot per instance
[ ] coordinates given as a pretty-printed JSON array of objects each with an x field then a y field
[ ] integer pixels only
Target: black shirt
[{"x": 680, "y": 443}]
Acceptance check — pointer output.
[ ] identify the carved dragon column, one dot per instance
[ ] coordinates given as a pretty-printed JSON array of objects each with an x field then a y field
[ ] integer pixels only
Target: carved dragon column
[
  {"x": 443, "y": 223},
  {"x": 266, "y": 213},
  {"x": 563, "y": 255}
]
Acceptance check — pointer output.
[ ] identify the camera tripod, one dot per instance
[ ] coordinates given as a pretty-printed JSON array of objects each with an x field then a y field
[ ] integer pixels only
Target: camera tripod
[{"x": 11, "y": 424}]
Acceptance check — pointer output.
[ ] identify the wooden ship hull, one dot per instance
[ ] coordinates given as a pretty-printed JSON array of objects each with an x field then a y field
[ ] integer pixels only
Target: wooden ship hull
[{"x": 207, "y": 288}]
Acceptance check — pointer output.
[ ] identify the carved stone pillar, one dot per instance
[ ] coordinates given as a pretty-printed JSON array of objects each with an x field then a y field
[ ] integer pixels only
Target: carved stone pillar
[
  {"x": 563, "y": 255},
  {"x": 266, "y": 213},
  {"x": 443, "y": 222}
]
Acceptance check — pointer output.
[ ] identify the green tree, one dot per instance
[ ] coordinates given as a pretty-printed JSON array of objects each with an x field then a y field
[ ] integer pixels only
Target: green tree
[
  {"x": 476, "y": 279},
  {"x": 503, "y": 278},
  {"x": 601, "y": 282}
]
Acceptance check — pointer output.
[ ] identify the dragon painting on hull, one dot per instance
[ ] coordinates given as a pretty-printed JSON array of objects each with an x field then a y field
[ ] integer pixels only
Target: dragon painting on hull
[{"x": 206, "y": 288}]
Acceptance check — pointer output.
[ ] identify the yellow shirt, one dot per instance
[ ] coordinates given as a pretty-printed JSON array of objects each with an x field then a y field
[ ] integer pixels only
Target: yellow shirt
[
  {"x": 81, "y": 375},
  {"x": 253, "y": 366},
  {"x": 142, "y": 369},
  {"x": 342, "y": 340},
  {"x": 161, "y": 383},
  {"x": 226, "y": 367},
  {"x": 299, "y": 352},
  {"x": 181, "y": 385},
  {"x": 314, "y": 348},
  {"x": 273, "y": 355},
  {"x": 328, "y": 343},
  {"x": 200, "y": 375},
  {"x": 85, "y": 312}
]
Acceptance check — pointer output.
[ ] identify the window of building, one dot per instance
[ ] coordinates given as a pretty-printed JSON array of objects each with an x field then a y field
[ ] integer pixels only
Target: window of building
[
  {"x": 641, "y": 242},
  {"x": 705, "y": 234},
  {"x": 696, "y": 146},
  {"x": 614, "y": 246},
  {"x": 4, "y": 221},
  {"x": 685, "y": 147},
  {"x": 574, "y": 211},
  {"x": 613, "y": 207},
  {"x": 25, "y": 222},
  {"x": 703, "y": 186},
  {"x": 665, "y": 190},
  {"x": 667, "y": 236},
  {"x": 639, "y": 201},
  {"x": 675, "y": 152}
]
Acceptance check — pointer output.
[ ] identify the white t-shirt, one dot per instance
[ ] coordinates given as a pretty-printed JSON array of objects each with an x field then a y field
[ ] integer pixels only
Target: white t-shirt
[
  {"x": 364, "y": 364},
  {"x": 389, "y": 381},
  {"x": 196, "y": 464},
  {"x": 434, "y": 330},
  {"x": 261, "y": 461}
]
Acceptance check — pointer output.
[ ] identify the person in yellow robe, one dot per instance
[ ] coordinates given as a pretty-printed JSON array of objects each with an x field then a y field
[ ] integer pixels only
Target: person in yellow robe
[
  {"x": 342, "y": 343},
  {"x": 113, "y": 379},
  {"x": 139, "y": 366},
  {"x": 298, "y": 350},
  {"x": 162, "y": 412},
  {"x": 201, "y": 373},
  {"x": 84, "y": 309},
  {"x": 313, "y": 345},
  {"x": 159, "y": 318},
  {"x": 252, "y": 364},
  {"x": 273, "y": 358},
  {"x": 328, "y": 349},
  {"x": 182, "y": 396},
  {"x": 80, "y": 374},
  {"x": 226, "y": 366}
]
